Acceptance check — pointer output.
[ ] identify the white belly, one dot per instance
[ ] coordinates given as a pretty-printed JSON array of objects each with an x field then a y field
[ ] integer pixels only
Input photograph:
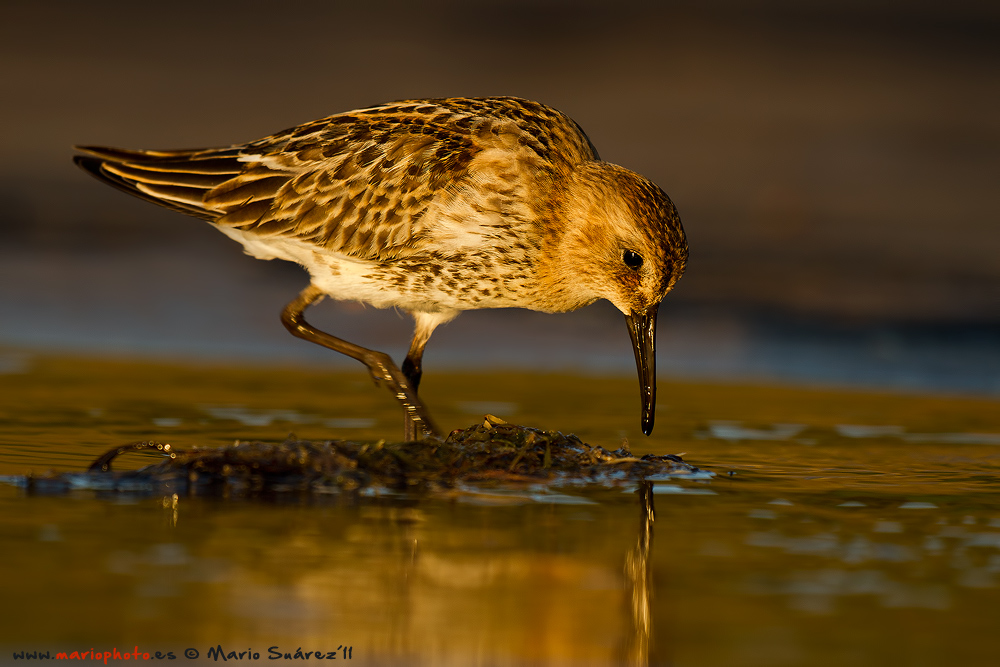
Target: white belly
[{"x": 350, "y": 279}]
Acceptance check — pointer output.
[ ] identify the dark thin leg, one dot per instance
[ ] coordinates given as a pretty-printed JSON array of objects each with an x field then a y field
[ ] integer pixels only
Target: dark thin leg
[
  {"x": 413, "y": 368},
  {"x": 380, "y": 365}
]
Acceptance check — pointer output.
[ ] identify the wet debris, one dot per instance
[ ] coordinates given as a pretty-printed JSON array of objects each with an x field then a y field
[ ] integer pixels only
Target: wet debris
[{"x": 493, "y": 452}]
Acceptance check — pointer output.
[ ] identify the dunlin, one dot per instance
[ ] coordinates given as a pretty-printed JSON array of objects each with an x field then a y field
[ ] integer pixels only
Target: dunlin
[{"x": 435, "y": 207}]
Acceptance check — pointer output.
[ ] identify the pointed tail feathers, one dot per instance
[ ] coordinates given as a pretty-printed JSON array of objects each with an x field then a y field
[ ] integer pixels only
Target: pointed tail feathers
[{"x": 177, "y": 180}]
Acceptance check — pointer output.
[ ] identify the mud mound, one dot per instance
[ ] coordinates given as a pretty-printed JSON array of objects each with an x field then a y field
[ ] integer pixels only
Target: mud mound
[{"x": 491, "y": 452}]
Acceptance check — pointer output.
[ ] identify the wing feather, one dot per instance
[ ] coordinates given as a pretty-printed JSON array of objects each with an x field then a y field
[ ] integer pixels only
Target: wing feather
[{"x": 357, "y": 183}]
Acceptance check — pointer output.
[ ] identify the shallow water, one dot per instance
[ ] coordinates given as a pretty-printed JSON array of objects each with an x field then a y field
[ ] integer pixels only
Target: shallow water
[{"x": 841, "y": 528}]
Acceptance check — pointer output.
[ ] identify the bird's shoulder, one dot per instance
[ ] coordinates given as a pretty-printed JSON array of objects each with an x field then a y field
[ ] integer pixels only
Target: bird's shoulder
[
  {"x": 361, "y": 182},
  {"x": 404, "y": 130}
]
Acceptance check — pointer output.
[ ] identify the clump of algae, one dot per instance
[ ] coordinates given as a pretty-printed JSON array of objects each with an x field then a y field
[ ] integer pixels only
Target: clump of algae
[{"x": 490, "y": 452}]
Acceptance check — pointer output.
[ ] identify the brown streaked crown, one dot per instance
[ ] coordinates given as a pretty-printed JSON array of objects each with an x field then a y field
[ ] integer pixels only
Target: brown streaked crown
[{"x": 606, "y": 210}]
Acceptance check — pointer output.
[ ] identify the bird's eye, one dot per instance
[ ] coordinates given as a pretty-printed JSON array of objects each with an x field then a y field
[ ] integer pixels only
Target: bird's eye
[{"x": 633, "y": 260}]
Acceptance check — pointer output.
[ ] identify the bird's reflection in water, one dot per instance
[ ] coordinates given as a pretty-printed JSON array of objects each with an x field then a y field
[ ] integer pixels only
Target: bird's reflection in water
[{"x": 637, "y": 581}]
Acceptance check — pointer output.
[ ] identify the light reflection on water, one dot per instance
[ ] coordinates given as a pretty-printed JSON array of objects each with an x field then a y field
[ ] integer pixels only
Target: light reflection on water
[{"x": 829, "y": 535}]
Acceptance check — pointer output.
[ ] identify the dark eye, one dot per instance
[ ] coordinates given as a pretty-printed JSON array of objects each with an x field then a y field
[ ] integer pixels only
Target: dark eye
[{"x": 633, "y": 260}]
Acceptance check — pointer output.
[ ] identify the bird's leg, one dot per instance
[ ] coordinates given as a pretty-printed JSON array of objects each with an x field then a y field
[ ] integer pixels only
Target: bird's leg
[
  {"x": 380, "y": 365},
  {"x": 413, "y": 369},
  {"x": 413, "y": 364}
]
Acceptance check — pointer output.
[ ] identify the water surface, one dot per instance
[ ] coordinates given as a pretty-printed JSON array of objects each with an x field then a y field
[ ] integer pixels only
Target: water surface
[{"x": 840, "y": 528}]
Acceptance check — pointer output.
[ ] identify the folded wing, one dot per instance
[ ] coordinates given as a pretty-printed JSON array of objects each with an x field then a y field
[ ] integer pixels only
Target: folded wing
[{"x": 357, "y": 183}]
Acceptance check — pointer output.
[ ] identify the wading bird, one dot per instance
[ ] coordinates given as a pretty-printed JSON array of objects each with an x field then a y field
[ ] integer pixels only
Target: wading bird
[{"x": 435, "y": 207}]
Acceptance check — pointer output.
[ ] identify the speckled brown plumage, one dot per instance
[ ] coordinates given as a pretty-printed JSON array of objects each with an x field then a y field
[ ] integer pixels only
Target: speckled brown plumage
[{"x": 434, "y": 206}]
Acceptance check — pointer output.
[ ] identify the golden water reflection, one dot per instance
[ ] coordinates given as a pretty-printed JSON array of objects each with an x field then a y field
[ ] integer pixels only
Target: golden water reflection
[
  {"x": 445, "y": 582},
  {"x": 817, "y": 543}
]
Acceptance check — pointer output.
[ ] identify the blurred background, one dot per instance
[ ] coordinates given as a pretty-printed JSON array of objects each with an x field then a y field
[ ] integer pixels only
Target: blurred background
[{"x": 836, "y": 165}]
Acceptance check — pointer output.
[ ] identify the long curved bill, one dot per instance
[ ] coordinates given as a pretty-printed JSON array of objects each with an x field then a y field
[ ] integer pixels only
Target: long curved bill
[{"x": 642, "y": 329}]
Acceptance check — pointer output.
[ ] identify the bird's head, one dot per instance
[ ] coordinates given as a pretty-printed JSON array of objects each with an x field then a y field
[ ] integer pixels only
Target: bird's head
[{"x": 623, "y": 242}]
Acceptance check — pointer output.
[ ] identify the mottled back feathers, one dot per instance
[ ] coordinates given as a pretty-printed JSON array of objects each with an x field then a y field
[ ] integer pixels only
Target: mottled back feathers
[{"x": 357, "y": 183}]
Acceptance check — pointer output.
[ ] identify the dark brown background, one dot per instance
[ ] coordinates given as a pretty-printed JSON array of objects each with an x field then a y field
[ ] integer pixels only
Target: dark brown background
[{"x": 836, "y": 165}]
